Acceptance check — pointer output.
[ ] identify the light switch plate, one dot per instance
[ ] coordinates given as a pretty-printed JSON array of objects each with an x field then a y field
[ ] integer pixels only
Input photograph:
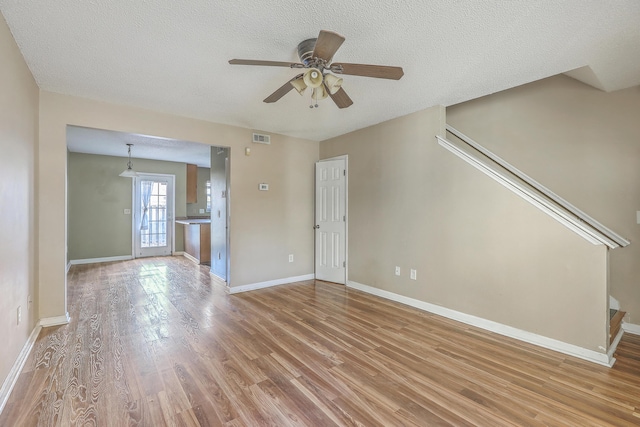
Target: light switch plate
[
  {"x": 638, "y": 217},
  {"x": 264, "y": 187}
]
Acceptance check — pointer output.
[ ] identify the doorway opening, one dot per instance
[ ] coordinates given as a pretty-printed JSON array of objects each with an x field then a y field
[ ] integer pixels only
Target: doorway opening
[{"x": 220, "y": 213}]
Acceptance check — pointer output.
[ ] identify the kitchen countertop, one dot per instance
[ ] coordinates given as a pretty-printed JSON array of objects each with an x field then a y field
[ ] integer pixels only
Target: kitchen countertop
[{"x": 193, "y": 221}]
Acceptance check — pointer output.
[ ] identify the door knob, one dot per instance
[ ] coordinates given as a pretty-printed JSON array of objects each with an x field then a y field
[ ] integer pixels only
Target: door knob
[{"x": 316, "y": 227}]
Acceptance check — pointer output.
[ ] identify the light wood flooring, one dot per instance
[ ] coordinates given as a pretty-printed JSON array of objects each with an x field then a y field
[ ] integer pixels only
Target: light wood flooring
[{"x": 155, "y": 342}]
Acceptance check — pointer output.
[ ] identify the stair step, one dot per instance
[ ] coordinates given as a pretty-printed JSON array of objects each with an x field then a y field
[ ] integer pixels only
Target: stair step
[{"x": 614, "y": 324}]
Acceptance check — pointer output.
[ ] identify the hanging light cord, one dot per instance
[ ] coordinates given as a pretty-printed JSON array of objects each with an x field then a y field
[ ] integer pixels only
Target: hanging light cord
[
  {"x": 129, "y": 164},
  {"x": 316, "y": 99}
]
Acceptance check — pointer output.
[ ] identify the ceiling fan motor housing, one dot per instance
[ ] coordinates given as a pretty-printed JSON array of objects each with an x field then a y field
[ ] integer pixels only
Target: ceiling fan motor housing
[{"x": 305, "y": 51}]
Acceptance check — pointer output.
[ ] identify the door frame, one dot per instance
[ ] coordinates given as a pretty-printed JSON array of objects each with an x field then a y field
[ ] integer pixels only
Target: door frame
[
  {"x": 227, "y": 171},
  {"x": 344, "y": 157},
  {"x": 227, "y": 213},
  {"x": 172, "y": 221}
]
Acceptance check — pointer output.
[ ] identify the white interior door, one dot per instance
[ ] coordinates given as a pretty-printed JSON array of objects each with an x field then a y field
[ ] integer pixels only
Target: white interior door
[
  {"x": 153, "y": 215},
  {"x": 330, "y": 228}
]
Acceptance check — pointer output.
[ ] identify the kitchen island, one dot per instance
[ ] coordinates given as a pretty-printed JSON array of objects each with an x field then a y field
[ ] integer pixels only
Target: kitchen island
[{"x": 197, "y": 239}]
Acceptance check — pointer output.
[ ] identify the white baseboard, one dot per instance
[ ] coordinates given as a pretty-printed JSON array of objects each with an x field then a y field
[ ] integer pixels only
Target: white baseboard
[
  {"x": 269, "y": 283},
  {"x": 191, "y": 258},
  {"x": 16, "y": 369},
  {"x": 631, "y": 328},
  {"x": 211, "y": 273},
  {"x": 97, "y": 260},
  {"x": 489, "y": 325},
  {"x": 46, "y": 322},
  {"x": 178, "y": 253},
  {"x": 68, "y": 266},
  {"x": 614, "y": 346}
]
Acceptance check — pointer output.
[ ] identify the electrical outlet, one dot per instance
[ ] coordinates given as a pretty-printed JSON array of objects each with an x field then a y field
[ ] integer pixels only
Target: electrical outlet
[
  {"x": 290, "y": 257},
  {"x": 127, "y": 211},
  {"x": 414, "y": 274},
  {"x": 19, "y": 314},
  {"x": 201, "y": 210},
  {"x": 397, "y": 270}
]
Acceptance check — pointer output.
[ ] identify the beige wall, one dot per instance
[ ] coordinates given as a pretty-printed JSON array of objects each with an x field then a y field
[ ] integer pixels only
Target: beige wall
[
  {"x": 265, "y": 226},
  {"x": 18, "y": 140},
  {"x": 97, "y": 197},
  {"x": 582, "y": 143},
  {"x": 193, "y": 209},
  {"x": 477, "y": 247}
]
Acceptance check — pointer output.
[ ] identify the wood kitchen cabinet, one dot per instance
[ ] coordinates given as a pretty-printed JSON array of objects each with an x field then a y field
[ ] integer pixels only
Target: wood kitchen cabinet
[
  {"x": 192, "y": 183},
  {"x": 197, "y": 240}
]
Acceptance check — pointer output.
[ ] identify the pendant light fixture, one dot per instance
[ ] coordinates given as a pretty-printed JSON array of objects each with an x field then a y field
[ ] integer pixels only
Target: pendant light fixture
[{"x": 129, "y": 172}]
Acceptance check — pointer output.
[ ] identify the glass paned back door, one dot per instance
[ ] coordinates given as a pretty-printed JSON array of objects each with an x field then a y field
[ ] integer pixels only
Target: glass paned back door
[{"x": 153, "y": 220}]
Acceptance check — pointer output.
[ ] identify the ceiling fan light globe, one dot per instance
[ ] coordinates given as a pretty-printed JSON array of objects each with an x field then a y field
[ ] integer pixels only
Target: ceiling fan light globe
[
  {"x": 312, "y": 78},
  {"x": 333, "y": 83},
  {"x": 319, "y": 93},
  {"x": 299, "y": 85}
]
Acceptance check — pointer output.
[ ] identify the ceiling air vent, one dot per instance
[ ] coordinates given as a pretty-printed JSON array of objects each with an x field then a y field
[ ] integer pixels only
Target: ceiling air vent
[{"x": 261, "y": 139}]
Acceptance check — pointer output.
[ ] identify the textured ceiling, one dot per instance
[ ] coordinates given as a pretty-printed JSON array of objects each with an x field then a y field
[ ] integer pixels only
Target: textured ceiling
[{"x": 172, "y": 56}]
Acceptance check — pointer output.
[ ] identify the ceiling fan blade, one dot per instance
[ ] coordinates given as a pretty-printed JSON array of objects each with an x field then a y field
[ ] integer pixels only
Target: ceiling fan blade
[
  {"x": 341, "y": 98},
  {"x": 282, "y": 91},
  {"x": 267, "y": 63},
  {"x": 327, "y": 44},
  {"x": 365, "y": 70}
]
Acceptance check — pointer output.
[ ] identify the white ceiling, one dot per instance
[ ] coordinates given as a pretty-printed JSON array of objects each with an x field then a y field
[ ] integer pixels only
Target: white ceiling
[
  {"x": 112, "y": 143},
  {"x": 172, "y": 56}
]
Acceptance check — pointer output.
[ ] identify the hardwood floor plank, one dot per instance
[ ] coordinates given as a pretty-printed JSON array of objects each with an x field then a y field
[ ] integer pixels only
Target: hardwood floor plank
[{"x": 158, "y": 342}]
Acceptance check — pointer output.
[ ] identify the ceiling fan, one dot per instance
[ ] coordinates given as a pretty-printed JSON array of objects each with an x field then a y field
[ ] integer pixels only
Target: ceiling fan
[{"x": 316, "y": 56}]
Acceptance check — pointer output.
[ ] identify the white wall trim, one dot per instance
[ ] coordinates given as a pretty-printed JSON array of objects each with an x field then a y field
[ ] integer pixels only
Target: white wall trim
[
  {"x": 103, "y": 259},
  {"x": 614, "y": 346},
  {"x": 631, "y": 328},
  {"x": 214, "y": 275},
  {"x": 178, "y": 253},
  {"x": 68, "y": 266},
  {"x": 614, "y": 304},
  {"x": 489, "y": 325},
  {"x": 581, "y": 220},
  {"x": 16, "y": 369},
  {"x": 270, "y": 283},
  {"x": 191, "y": 258},
  {"x": 46, "y": 322},
  {"x": 531, "y": 194}
]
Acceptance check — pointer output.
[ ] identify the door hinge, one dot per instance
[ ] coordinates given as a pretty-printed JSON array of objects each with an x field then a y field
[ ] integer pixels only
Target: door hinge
[
  {"x": 344, "y": 218},
  {"x": 344, "y": 172},
  {"x": 344, "y": 263}
]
